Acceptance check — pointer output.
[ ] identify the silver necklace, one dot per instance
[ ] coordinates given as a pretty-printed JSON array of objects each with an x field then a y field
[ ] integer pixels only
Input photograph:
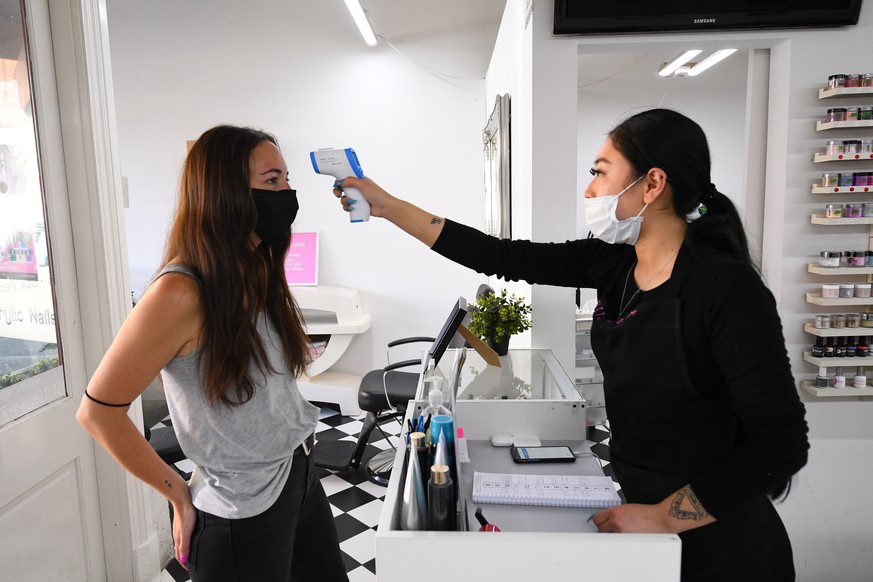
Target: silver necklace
[{"x": 621, "y": 304}]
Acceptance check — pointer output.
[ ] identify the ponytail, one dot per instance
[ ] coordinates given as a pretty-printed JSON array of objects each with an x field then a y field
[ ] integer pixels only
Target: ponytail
[{"x": 715, "y": 225}]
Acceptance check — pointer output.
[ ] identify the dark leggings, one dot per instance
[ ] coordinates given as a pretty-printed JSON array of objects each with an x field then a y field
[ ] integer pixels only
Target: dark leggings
[{"x": 294, "y": 540}]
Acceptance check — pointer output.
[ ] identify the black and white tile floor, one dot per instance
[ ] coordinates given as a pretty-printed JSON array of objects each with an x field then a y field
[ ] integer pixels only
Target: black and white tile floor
[{"x": 357, "y": 503}]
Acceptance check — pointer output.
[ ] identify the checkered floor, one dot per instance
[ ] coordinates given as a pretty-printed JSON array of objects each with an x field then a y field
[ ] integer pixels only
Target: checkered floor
[{"x": 356, "y": 502}]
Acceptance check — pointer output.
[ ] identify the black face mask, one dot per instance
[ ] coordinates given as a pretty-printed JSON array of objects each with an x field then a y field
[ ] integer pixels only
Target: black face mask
[{"x": 276, "y": 211}]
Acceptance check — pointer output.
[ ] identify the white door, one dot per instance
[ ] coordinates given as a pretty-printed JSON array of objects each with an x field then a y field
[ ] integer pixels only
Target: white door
[{"x": 53, "y": 299}]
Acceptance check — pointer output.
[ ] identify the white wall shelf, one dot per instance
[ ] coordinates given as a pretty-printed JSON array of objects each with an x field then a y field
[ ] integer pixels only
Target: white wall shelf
[
  {"x": 819, "y": 189},
  {"x": 817, "y": 299},
  {"x": 826, "y": 125},
  {"x": 827, "y": 93},
  {"x": 847, "y": 392},
  {"x": 819, "y": 270},
  {"x": 819, "y": 157},
  {"x": 838, "y": 362},
  {"x": 837, "y": 331},
  {"x": 842, "y": 221},
  {"x": 863, "y": 273}
]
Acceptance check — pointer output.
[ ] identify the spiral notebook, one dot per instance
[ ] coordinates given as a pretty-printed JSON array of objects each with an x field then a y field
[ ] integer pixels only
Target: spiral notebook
[{"x": 544, "y": 490}]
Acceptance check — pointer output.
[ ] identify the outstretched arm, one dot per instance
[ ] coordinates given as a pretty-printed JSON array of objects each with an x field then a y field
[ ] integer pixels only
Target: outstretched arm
[{"x": 421, "y": 224}]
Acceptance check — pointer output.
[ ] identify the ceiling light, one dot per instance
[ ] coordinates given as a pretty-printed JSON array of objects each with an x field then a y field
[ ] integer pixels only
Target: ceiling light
[
  {"x": 714, "y": 58},
  {"x": 669, "y": 69},
  {"x": 354, "y": 7}
]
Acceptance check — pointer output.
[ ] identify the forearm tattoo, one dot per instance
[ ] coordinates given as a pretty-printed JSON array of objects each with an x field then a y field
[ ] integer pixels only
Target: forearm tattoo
[
  {"x": 686, "y": 505},
  {"x": 436, "y": 220},
  {"x": 168, "y": 484}
]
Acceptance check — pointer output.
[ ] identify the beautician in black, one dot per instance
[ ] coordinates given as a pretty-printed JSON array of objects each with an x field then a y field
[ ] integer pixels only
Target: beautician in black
[{"x": 707, "y": 426}]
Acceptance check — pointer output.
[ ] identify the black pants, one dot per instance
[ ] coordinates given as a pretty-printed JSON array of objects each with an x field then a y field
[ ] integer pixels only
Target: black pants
[{"x": 295, "y": 540}]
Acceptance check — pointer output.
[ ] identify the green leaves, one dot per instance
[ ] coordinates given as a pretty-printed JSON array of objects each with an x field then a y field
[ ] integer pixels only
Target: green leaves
[{"x": 497, "y": 316}]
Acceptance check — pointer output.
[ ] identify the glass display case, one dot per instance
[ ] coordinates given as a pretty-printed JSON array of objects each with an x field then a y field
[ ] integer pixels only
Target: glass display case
[{"x": 528, "y": 374}]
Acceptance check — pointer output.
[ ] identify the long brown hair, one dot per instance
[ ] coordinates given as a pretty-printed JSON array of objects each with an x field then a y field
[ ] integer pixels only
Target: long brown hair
[{"x": 211, "y": 235}]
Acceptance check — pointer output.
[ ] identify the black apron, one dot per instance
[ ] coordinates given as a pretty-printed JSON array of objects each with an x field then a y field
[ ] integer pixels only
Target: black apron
[{"x": 664, "y": 433}]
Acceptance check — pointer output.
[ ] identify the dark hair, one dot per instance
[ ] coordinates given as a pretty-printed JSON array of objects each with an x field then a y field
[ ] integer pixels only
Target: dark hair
[
  {"x": 668, "y": 140},
  {"x": 211, "y": 234}
]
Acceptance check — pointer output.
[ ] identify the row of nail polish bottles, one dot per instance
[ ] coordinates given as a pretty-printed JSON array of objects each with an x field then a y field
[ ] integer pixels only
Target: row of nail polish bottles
[
  {"x": 838, "y": 380},
  {"x": 841, "y": 347}
]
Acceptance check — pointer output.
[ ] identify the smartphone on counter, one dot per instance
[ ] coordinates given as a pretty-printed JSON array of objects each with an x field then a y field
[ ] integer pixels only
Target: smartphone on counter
[{"x": 559, "y": 454}]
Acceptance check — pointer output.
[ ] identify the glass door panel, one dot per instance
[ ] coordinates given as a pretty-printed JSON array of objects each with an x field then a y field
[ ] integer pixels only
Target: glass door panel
[{"x": 29, "y": 345}]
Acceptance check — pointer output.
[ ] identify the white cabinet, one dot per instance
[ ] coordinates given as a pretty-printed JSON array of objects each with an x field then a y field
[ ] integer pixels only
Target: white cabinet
[{"x": 535, "y": 543}]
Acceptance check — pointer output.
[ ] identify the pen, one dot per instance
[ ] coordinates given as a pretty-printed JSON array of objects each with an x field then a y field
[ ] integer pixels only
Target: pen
[
  {"x": 420, "y": 424},
  {"x": 590, "y": 518}
]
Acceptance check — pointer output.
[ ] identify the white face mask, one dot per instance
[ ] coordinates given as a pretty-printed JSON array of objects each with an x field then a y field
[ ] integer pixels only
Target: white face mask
[{"x": 605, "y": 225}]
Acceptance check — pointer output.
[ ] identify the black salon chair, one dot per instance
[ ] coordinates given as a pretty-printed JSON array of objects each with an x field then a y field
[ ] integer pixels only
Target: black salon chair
[{"x": 383, "y": 395}]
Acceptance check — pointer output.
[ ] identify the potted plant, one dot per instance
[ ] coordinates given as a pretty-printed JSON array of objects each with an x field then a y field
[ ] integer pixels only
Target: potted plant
[{"x": 495, "y": 318}]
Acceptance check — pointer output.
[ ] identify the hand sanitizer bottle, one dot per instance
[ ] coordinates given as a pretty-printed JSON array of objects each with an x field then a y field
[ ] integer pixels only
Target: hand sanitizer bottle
[{"x": 435, "y": 398}]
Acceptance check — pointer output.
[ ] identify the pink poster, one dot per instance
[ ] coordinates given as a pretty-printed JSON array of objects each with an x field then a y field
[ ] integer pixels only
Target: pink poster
[
  {"x": 301, "y": 262},
  {"x": 18, "y": 257}
]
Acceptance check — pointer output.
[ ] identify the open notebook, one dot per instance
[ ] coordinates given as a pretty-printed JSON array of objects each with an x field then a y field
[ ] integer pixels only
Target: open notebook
[{"x": 544, "y": 490}]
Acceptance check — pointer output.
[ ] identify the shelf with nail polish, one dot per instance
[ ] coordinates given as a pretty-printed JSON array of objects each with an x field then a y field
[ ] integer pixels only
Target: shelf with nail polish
[
  {"x": 841, "y": 221},
  {"x": 819, "y": 189},
  {"x": 811, "y": 329},
  {"x": 836, "y": 346},
  {"x": 831, "y": 92},
  {"x": 834, "y": 362},
  {"x": 819, "y": 270},
  {"x": 817, "y": 299},
  {"x": 809, "y": 387},
  {"x": 819, "y": 157}
]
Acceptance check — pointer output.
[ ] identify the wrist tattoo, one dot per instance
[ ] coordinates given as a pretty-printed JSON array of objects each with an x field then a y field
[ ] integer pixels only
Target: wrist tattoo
[
  {"x": 436, "y": 220},
  {"x": 685, "y": 505}
]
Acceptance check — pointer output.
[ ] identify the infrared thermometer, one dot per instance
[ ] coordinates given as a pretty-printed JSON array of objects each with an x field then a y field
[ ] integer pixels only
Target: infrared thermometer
[{"x": 341, "y": 163}]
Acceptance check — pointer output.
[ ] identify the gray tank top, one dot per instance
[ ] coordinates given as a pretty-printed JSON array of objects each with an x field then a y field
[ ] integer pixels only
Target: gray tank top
[{"x": 242, "y": 454}]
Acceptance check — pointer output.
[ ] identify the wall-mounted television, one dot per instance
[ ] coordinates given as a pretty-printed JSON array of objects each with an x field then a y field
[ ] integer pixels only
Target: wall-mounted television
[{"x": 648, "y": 16}]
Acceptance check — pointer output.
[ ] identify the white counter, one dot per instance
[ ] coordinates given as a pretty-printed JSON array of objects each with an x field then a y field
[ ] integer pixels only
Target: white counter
[{"x": 535, "y": 543}]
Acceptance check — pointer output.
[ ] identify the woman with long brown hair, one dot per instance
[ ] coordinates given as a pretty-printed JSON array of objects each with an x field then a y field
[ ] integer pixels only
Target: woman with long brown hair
[{"x": 222, "y": 329}]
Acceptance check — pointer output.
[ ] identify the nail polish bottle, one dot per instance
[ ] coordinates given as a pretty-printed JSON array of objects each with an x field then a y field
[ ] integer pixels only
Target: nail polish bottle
[
  {"x": 840, "y": 348},
  {"x": 863, "y": 348},
  {"x": 828, "y": 348},
  {"x": 851, "y": 347},
  {"x": 821, "y": 381},
  {"x": 839, "y": 379},
  {"x": 860, "y": 380},
  {"x": 818, "y": 348}
]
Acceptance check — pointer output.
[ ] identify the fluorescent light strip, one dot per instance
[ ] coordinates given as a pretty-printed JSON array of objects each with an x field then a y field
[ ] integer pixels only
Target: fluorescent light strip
[
  {"x": 674, "y": 66},
  {"x": 354, "y": 7},
  {"x": 714, "y": 58}
]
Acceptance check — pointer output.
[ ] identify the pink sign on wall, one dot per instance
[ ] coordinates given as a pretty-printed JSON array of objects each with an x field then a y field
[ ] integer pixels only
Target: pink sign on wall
[{"x": 301, "y": 262}]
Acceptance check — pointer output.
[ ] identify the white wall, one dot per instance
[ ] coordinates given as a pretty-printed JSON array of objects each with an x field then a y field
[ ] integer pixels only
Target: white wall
[
  {"x": 716, "y": 100},
  {"x": 181, "y": 67},
  {"x": 800, "y": 63}
]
